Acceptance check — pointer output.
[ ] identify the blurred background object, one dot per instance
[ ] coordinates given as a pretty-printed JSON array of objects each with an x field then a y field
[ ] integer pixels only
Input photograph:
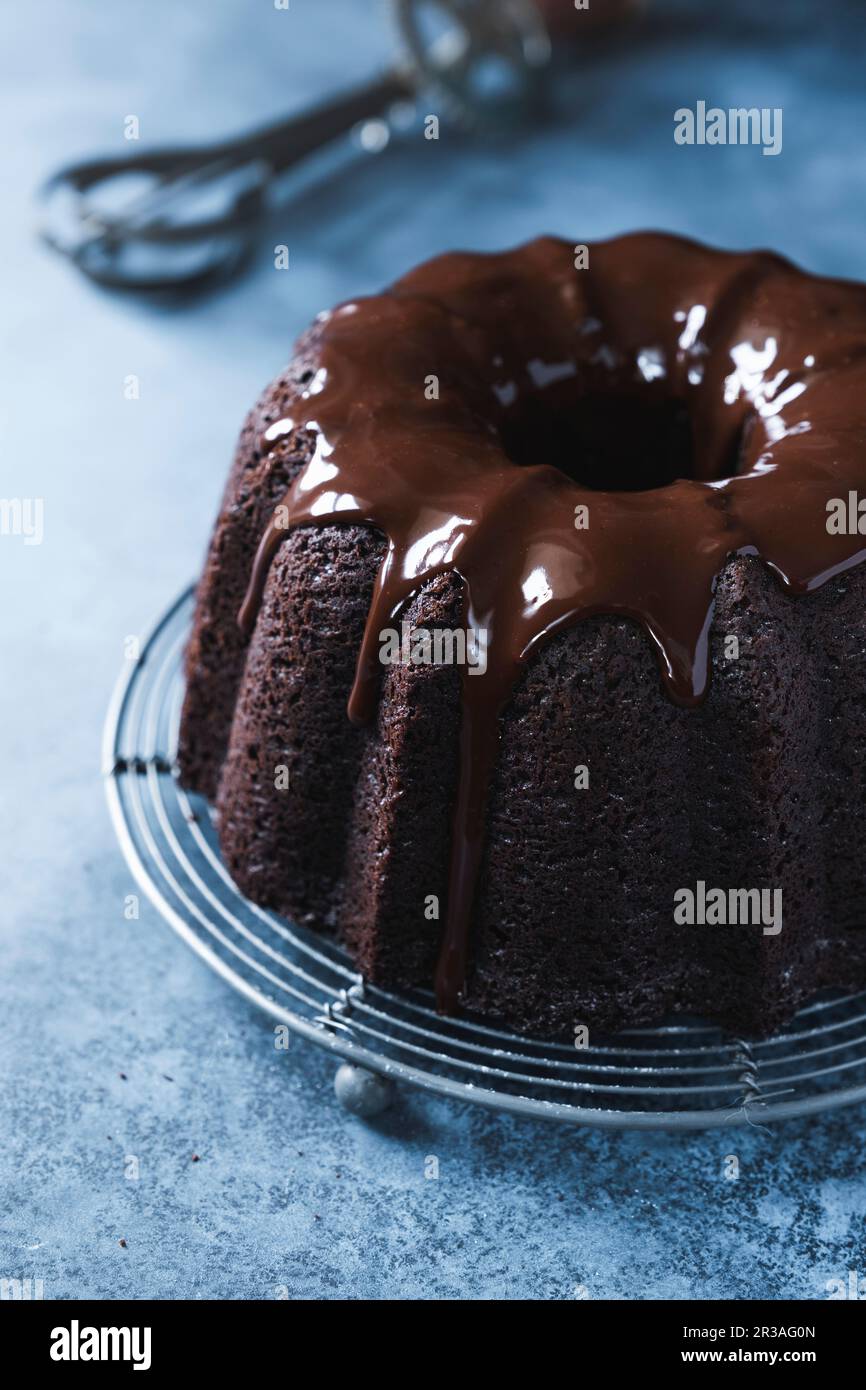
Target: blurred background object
[{"x": 181, "y": 219}]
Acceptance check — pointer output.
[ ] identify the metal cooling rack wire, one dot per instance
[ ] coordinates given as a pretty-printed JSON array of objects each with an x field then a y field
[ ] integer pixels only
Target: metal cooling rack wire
[{"x": 680, "y": 1075}]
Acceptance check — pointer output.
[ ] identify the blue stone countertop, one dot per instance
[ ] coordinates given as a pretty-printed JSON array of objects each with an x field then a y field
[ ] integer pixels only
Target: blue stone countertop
[{"x": 117, "y": 1043}]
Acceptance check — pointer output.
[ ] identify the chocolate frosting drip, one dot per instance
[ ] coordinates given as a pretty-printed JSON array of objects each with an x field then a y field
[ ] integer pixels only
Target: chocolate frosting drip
[{"x": 696, "y": 403}]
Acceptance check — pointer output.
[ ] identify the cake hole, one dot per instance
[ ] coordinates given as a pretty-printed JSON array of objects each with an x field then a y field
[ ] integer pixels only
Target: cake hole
[{"x": 610, "y": 442}]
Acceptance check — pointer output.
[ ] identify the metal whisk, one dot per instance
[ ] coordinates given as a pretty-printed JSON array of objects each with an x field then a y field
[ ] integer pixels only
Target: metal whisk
[{"x": 191, "y": 215}]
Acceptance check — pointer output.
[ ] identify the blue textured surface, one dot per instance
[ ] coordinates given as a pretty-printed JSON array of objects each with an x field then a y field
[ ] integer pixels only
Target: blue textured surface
[{"x": 288, "y": 1191}]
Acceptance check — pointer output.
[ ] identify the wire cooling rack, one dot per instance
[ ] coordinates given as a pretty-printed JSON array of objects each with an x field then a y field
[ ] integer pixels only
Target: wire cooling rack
[{"x": 683, "y": 1075}]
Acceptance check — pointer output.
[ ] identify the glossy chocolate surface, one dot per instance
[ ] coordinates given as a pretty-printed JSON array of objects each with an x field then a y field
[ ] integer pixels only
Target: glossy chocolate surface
[{"x": 574, "y": 442}]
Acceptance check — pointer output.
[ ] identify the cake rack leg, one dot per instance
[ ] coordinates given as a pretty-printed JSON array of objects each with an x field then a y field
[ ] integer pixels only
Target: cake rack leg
[{"x": 361, "y": 1092}]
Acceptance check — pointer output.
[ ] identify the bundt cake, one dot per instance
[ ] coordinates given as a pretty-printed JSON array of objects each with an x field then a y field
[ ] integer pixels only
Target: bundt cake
[{"x": 530, "y": 652}]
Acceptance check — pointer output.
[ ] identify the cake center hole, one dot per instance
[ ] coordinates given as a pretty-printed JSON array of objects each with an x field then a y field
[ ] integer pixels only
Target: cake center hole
[{"x": 611, "y": 442}]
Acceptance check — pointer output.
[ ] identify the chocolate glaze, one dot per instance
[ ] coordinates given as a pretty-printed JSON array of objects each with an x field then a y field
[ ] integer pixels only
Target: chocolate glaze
[{"x": 696, "y": 402}]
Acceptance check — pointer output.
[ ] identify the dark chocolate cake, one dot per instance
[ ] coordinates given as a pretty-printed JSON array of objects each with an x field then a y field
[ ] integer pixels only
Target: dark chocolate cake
[{"x": 629, "y": 473}]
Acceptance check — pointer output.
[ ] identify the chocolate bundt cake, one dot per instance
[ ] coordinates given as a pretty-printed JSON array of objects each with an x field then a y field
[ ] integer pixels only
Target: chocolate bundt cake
[{"x": 530, "y": 652}]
